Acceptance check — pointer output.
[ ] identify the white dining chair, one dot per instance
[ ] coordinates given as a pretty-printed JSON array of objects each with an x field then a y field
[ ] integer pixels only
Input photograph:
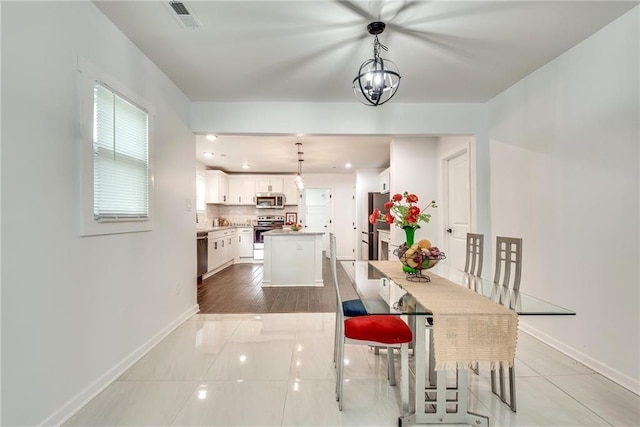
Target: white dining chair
[
  {"x": 473, "y": 267},
  {"x": 506, "y": 280},
  {"x": 474, "y": 254},
  {"x": 382, "y": 330}
]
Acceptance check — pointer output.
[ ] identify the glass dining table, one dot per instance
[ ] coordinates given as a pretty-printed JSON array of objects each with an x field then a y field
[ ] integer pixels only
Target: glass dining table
[{"x": 381, "y": 295}]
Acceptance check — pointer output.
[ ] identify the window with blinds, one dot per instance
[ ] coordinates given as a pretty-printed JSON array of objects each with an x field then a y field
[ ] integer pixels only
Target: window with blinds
[{"x": 120, "y": 157}]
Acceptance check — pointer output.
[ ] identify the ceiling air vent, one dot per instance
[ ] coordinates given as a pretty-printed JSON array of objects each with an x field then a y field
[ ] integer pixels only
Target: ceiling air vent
[{"x": 184, "y": 14}]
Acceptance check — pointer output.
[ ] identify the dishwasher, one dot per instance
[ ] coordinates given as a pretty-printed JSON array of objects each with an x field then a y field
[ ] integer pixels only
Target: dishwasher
[{"x": 202, "y": 253}]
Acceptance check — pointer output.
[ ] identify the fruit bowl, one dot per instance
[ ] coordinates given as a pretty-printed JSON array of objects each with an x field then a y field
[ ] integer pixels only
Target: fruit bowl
[
  {"x": 296, "y": 227},
  {"x": 417, "y": 257}
]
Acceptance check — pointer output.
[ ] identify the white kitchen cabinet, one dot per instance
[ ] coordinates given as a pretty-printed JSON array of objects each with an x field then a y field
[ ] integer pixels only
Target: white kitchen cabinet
[
  {"x": 242, "y": 190},
  {"x": 221, "y": 248},
  {"x": 228, "y": 247},
  {"x": 245, "y": 242},
  {"x": 213, "y": 254},
  {"x": 291, "y": 191},
  {"x": 217, "y": 188},
  {"x": 384, "y": 242},
  {"x": 385, "y": 180},
  {"x": 270, "y": 184}
]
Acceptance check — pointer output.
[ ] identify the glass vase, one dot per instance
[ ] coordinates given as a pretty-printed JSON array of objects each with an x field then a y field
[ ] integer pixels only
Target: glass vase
[{"x": 409, "y": 233}]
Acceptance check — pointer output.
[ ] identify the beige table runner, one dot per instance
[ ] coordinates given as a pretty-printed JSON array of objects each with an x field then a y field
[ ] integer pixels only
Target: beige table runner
[{"x": 467, "y": 327}]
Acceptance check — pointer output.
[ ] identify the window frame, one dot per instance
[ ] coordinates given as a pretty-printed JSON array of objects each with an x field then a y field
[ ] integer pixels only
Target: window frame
[{"x": 88, "y": 75}]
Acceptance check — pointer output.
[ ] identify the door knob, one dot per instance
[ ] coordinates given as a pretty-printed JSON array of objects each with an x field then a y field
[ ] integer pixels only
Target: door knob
[{"x": 449, "y": 230}]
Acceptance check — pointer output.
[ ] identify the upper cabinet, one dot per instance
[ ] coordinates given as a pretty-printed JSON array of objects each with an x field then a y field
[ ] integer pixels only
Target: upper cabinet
[
  {"x": 385, "y": 180},
  {"x": 270, "y": 184},
  {"x": 242, "y": 190},
  {"x": 217, "y": 188},
  {"x": 291, "y": 190}
]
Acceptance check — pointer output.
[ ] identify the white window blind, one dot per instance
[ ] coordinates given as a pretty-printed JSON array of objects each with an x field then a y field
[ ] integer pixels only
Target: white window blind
[{"x": 120, "y": 157}]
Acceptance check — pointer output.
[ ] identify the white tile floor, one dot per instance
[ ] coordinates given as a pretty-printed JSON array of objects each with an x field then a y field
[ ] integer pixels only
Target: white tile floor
[{"x": 277, "y": 370}]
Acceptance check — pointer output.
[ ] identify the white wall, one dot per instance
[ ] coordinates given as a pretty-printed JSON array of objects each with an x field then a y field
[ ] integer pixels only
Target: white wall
[
  {"x": 414, "y": 168},
  {"x": 335, "y": 118},
  {"x": 564, "y": 177},
  {"x": 70, "y": 323},
  {"x": 343, "y": 208}
]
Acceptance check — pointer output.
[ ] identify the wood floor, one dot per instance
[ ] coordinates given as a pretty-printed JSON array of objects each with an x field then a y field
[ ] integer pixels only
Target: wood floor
[{"x": 238, "y": 289}]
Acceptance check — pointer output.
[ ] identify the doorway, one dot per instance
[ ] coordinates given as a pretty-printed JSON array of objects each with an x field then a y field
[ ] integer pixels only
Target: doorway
[
  {"x": 317, "y": 213},
  {"x": 457, "y": 205}
]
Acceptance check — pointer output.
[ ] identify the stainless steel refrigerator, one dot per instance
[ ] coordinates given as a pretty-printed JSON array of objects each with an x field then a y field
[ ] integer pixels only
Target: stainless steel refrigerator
[{"x": 370, "y": 236}]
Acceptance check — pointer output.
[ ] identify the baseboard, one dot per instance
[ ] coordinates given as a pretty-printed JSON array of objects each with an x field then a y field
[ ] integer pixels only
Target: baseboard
[
  {"x": 631, "y": 384},
  {"x": 65, "y": 412},
  {"x": 217, "y": 270}
]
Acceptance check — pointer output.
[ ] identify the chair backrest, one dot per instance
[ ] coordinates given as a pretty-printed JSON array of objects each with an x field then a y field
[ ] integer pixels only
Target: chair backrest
[
  {"x": 508, "y": 262},
  {"x": 334, "y": 272},
  {"x": 475, "y": 251}
]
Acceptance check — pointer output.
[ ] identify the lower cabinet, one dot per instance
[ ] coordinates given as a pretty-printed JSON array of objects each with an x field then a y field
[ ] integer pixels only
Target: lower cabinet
[
  {"x": 221, "y": 248},
  {"x": 245, "y": 242}
]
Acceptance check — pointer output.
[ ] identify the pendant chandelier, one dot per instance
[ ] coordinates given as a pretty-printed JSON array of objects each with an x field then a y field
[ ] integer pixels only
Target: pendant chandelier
[
  {"x": 299, "y": 181},
  {"x": 378, "y": 79}
]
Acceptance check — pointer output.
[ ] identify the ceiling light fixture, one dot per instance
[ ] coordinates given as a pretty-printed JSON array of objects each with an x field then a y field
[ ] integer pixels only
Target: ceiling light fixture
[
  {"x": 299, "y": 181},
  {"x": 378, "y": 79},
  {"x": 208, "y": 154},
  {"x": 211, "y": 137}
]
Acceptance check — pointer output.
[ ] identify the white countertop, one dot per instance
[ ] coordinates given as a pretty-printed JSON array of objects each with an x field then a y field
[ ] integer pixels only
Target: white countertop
[
  {"x": 207, "y": 229},
  {"x": 285, "y": 232}
]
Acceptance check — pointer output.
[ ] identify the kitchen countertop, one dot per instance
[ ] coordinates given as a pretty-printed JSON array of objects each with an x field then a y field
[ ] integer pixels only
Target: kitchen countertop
[
  {"x": 208, "y": 229},
  {"x": 285, "y": 232}
]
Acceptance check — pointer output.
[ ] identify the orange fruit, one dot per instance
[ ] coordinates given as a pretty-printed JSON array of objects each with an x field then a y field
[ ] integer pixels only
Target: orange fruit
[{"x": 425, "y": 244}]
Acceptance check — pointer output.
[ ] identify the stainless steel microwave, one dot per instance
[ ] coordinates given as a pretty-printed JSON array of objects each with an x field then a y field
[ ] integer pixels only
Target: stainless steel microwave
[{"x": 270, "y": 200}]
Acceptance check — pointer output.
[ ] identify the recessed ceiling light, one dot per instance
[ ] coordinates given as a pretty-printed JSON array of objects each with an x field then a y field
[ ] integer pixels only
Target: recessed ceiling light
[
  {"x": 245, "y": 166},
  {"x": 208, "y": 154},
  {"x": 211, "y": 137},
  {"x": 347, "y": 165}
]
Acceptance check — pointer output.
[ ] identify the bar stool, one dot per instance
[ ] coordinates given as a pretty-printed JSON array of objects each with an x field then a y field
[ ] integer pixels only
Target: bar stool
[{"x": 506, "y": 279}]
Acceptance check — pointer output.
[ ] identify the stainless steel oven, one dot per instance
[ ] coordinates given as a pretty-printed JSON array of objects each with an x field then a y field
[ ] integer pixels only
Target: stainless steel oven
[{"x": 264, "y": 224}]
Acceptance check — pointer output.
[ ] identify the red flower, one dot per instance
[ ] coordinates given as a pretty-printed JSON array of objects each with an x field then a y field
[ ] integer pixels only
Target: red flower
[
  {"x": 374, "y": 216},
  {"x": 414, "y": 210},
  {"x": 402, "y": 211}
]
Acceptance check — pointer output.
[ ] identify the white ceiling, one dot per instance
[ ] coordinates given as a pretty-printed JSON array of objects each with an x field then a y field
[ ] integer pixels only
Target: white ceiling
[
  {"x": 310, "y": 51},
  {"x": 279, "y": 153}
]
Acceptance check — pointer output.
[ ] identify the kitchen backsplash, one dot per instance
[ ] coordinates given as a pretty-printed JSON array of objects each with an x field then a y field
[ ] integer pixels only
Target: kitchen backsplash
[{"x": 238, "y": 215}]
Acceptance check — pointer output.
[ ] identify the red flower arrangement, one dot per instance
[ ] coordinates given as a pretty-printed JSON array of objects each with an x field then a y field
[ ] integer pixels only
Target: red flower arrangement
[{"x": 402, "y": 211}]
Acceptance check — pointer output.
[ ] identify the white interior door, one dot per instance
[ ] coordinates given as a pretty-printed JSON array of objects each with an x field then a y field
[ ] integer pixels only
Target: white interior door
[
  {"x": 317, "y": 203},
  {"x": 457, "y": 191}
]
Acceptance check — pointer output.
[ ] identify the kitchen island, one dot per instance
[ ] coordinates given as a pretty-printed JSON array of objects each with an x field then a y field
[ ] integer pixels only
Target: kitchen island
[{"x": 292, "y": 258}]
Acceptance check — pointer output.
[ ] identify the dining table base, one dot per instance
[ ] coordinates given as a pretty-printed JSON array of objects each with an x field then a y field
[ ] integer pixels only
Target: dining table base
[{"x": 431, "y": 402}]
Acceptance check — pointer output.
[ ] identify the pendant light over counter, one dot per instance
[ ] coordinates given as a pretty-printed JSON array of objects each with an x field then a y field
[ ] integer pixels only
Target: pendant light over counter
[{"x": 299, "y": 180}]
